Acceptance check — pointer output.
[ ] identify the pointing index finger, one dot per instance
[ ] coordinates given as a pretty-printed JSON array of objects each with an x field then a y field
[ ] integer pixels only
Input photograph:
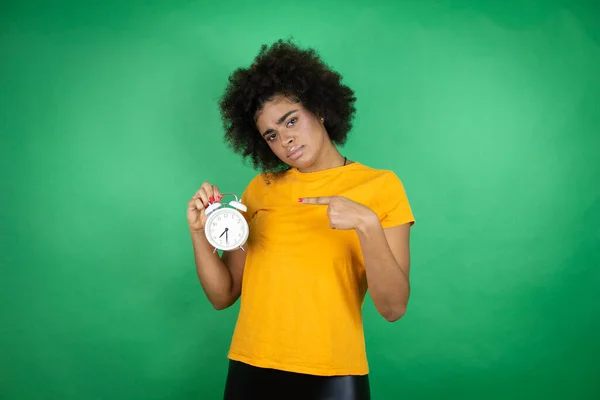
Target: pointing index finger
[{"x": 315, "y": 200}]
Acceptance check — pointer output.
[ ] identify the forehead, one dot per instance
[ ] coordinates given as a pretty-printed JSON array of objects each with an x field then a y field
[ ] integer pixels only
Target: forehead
[{"x": 275, "y": 108}]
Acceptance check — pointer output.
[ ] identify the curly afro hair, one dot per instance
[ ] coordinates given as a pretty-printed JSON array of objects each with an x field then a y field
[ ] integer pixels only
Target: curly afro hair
[{"x": 283, "y": 68}]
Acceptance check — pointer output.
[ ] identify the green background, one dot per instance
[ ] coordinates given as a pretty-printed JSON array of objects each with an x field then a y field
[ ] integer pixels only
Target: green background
[{"x": 489, "y": 112}]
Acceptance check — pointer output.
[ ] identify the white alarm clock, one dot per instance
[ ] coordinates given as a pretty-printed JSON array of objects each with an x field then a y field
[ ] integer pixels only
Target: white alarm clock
[{"x": 226, "y": 228}]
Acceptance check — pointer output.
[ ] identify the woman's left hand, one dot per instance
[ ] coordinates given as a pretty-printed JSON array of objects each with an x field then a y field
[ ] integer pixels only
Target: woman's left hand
[{"x": 343, "y": 213}]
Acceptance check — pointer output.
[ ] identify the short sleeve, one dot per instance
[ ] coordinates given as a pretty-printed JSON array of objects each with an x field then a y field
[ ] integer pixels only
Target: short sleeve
[
  {"x": 249, "y": 199},
  {"x": 394, "y": 207}
]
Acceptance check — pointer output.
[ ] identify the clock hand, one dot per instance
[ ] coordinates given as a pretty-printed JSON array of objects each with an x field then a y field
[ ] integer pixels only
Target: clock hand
[{"x": 224, "y": 232}]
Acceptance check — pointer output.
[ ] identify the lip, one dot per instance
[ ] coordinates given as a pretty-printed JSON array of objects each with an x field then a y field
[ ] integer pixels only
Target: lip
[{"x": 295, "y": 152}]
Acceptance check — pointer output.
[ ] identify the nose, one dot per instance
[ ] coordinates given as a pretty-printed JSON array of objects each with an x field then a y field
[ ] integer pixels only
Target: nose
[{"x": 287, "y": 141}]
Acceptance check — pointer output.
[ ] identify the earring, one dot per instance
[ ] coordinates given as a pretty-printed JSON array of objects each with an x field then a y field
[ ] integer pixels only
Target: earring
[{"x": 322, "y": 119}]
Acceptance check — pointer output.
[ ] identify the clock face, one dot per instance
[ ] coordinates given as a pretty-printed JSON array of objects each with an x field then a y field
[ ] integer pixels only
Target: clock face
[{"x": 226, "y": 229}]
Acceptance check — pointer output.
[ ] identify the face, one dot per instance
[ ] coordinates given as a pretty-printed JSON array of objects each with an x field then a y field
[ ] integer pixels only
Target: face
[{"x": 295, "y": 135}]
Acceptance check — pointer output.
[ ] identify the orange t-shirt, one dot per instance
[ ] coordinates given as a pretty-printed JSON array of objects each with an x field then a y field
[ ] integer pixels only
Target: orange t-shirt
[{"x": 304, "y": 283}]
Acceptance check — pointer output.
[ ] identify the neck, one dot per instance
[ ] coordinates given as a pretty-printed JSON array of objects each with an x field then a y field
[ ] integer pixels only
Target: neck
[{"x": 329, "y": 158}]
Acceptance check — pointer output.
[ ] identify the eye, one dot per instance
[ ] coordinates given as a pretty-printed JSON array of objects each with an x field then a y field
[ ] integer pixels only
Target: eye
[
  {"x": 271, "y": 137},
  {"x": 292, "y": 121}
]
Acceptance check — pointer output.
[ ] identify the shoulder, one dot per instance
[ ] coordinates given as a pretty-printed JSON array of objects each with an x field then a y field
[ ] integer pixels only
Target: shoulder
[
  {"x": 385, "y": 182},
  {"x": 262, "y": 184},
  {"x": 265, "y": 180},
  {"x": 386, "y": 178},
  {"x": 256, "y": 181},
  {"x": 255, "y": 185},
  {"x": 391, "y": 203}
]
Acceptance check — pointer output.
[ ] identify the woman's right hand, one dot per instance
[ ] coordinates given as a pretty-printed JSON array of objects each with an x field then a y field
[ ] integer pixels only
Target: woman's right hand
[{"x": 196, "y": 214}]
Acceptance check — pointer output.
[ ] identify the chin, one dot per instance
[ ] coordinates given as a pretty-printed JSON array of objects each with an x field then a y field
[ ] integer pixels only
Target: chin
[{"x": 300, "y": 163}]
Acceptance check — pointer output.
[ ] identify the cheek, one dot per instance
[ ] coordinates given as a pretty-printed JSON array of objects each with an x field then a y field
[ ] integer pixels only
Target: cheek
[
  {"x": 311, "y": 131},
  {"x": 277, "y": 148}
]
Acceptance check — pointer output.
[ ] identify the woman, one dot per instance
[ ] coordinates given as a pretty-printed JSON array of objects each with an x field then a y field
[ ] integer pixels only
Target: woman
[{"x": 322, "y": 229}]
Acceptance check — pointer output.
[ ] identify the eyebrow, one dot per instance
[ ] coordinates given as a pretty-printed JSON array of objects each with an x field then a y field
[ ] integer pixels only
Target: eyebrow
[{"x": 279, "y": 122}]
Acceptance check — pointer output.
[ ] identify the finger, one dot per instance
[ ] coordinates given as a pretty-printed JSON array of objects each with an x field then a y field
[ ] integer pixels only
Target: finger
[
  {"x": 196, "y": 204},
  {"x": 192, "y": 204},
  {"x": 217, "y": 193},
  {"x": 208, "y": 189},
  {"x": 321, "y": 200},
  {"x": 202, "y": 196}
]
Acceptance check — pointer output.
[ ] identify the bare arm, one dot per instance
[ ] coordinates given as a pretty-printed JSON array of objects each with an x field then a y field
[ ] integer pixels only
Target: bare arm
[
  {"x": 387, "y": 262},
  {"x": 386, "y": 252},
  {"x": 220, "y": 278}
]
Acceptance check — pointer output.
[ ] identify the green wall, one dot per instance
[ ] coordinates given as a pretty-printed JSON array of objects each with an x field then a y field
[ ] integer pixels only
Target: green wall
[{"x": 489, "y": 114}]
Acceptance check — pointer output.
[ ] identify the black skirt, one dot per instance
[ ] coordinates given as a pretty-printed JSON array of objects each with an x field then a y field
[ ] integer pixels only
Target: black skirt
[{"x": 246, "y": 382}]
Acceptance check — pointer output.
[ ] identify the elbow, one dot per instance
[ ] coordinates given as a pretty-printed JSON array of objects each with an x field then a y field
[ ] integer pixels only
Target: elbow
[
  {"x": 394, "y": 314},
  {"x": 223, "y": 303},
  {"x": 219, "y": 306},
  {"x": 391, "y": 309}
]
